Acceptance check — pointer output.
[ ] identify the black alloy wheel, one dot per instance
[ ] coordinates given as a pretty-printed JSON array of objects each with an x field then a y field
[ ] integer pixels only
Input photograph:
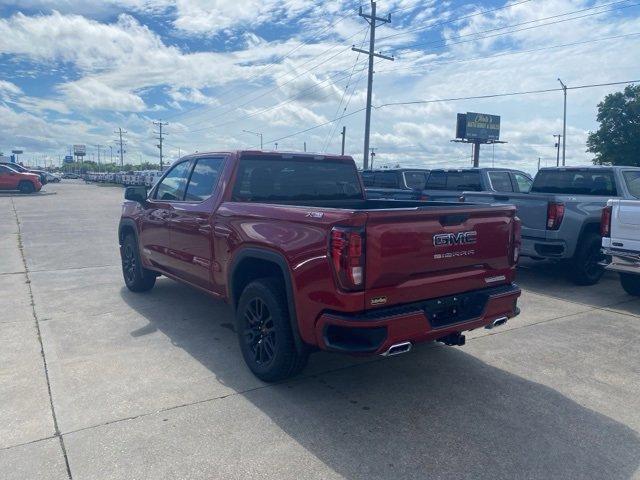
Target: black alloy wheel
[{"x": 259, "y": 333}]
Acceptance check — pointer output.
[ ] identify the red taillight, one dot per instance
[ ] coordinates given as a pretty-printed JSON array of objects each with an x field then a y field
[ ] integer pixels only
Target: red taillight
[
  {"x": 516, "y": 240},
  {"x": 347, "y": 256},
  {"x": 605, "y": 221},
  {"x": 555, "y": 214}
]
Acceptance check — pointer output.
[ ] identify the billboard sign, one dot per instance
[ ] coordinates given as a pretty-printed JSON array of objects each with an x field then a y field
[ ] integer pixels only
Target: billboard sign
[
  {"x": 68, "y": 159},
  {"x": 79, "y": 150},
  {"x": 478, "y": 126}
]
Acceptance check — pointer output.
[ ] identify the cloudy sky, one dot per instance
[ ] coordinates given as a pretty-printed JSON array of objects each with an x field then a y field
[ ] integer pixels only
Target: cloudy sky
[{"x": 73, "y": 71}]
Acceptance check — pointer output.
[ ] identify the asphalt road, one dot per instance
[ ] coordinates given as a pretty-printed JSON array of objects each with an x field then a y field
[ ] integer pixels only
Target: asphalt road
[{"x": 99, "y": 383}]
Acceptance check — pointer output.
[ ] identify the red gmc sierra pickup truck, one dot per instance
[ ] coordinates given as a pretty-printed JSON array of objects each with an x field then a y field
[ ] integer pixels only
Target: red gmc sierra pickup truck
[{"x": 306, "y": 262}]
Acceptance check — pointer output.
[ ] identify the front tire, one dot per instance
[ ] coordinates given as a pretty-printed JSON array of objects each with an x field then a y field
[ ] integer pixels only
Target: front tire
[
  {"x": 585, "y": 268},
  {"x": 26, "y": 187},
  {"x": 136, "y": 277},
  {"x": 264, "y": 332},
  {"x": 630, "y": 283}
]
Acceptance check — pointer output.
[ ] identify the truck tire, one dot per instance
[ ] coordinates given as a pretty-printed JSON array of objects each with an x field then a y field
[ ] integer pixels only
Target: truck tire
[
  {"x": 630, "y": 283},
  {"x": 264, "y": 332},
  {"x": 585, "y": 269},
  {"x": 136, "y": 277},
  {"x": 26, "y": 187}
]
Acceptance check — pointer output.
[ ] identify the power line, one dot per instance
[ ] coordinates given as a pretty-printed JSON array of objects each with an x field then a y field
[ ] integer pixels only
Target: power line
[
  {"x": 344, "y": 93},
  {"x": 286, "y": 101},
  {"x": 448, "y": 43},
  {"x": 476, "y": 97},
  {"x": 453, "y": 20},
  {"x": 273, "y": 63},
  {"x": 505, "y": 54},
  {"x": 509, "y": 94},
  {"x": 277, "y": 87},
  {"x": 279, "y": 77}
]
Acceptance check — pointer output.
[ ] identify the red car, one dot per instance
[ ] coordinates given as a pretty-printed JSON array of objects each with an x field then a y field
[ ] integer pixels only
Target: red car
[
  {"x": 307, "y": 262},
  {"x": 11, "y": 179}
]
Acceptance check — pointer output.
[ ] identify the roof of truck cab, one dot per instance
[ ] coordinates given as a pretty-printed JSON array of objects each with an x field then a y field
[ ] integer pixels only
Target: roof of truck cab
[
  {"x": 269, "y": 153},
  {"x": 591, "y": 167}
]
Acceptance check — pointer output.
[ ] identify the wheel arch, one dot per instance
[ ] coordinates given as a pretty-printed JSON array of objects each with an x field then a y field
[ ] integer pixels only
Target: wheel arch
[
  {"x": 252, "y": 263},
  {"x": 127, "y": 226}
]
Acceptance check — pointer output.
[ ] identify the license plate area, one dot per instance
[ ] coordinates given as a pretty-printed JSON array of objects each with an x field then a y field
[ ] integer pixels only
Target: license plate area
[{"x": 446, "y": 311}]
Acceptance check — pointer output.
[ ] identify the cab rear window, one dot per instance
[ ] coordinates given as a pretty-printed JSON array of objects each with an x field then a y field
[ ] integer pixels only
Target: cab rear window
[
  {"x": 575, "y": 182},
  {"x": 263, "y": 179}
]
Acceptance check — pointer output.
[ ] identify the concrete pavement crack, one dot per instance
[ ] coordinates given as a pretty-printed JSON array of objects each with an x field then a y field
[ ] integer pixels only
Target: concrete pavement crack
[{"x": 44, "y": 358}]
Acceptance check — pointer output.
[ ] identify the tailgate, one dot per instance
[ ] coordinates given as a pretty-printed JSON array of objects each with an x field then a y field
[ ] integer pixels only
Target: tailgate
[
  {"x": 530, "y": 208},
  {"x": 625, "y": 225},
  {"x": 433, "y": 251}
]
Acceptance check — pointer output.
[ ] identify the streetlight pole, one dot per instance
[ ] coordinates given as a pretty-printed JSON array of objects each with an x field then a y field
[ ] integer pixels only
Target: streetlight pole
[
  {"x": 258, "y": 134},
  {"x": 564, "y": 123}
]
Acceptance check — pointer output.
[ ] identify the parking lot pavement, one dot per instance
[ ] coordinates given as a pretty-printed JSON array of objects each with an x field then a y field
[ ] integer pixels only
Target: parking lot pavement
[{"x": 153, "y": 385}]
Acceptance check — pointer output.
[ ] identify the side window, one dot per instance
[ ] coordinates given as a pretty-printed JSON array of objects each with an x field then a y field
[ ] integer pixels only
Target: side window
[
  {"x": 501, "y": 181},
  {"x": 204, "y": 179},
  {"x": 465, "y": 180},
  {"x": 3, "y": 170},
  {"x": 522, "y": 182},
  {"x": 367, "y": 178},
  {"x": 415, "y": 180},
  {"x": 386, "y": 180},
  {"x": 437, "y": 181},
  {"x": 171, "y": 188}
]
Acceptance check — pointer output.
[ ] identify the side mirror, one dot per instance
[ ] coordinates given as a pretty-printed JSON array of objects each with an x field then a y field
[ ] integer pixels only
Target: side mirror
[{"x": 136, "y": 194}]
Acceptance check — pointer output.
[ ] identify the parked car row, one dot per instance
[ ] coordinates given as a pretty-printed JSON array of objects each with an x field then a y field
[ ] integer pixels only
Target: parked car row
[
  {"x": 146, "y": 177},
  {"x": 42, "y": 174}
]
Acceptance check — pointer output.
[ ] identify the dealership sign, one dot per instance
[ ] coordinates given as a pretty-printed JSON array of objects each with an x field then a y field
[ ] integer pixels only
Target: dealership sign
[
  {"x": 68, "y": 159},
  {"x": 79, "y": 150},
  {"x": 478, "y": 126}
]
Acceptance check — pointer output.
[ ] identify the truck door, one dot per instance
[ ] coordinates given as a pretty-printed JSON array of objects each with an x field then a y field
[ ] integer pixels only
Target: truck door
[
  {"x": 191, "y": 224},
  {"x": 154, "y": 225}
]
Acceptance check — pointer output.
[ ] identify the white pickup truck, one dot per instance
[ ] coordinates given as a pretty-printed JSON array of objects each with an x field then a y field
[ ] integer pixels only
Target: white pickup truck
[{"x": 620, "y": 229}]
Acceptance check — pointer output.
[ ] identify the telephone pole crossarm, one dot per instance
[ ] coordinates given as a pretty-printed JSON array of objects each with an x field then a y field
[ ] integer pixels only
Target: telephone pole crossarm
[{"x": 379, "y": 55}]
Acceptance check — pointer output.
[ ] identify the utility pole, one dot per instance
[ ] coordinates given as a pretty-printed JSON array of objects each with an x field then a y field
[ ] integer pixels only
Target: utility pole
[
  {"x": 373, "y": 156},
  {"x": 564, "y": 123},
  {"x": 344, "y": 134},
  {"x": 276, "y": 144},
  {"x": 120, "y": 142},
  {"x": 539, "y": 163},
  {"x": 159, "y": 124},
  {"x": 110, "y": 154},
  {"x": 372, "y": 19},
  {"x": 558, "y": 149},
  {"x": 305, "y": 146},
  {"x": 99, "y": 147}
]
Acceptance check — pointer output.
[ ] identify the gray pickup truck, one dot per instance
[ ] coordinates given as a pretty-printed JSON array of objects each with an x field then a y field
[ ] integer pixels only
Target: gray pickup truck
[
  {"x": 448, "y": 184},
  {"x": 561, "y": 214}
]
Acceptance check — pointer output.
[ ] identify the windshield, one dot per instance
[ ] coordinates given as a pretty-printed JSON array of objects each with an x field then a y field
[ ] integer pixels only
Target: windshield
[
  {"x": 268, "y": 179},
  {"x": 632, "y": 179},
  {"x": 575, "y": 182}
]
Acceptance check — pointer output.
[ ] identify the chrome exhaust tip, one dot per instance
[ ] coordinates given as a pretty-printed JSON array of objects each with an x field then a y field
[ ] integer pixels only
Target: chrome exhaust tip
[
  {"x": 497, "y": 322},
  {"x": 397, "y": 349}
]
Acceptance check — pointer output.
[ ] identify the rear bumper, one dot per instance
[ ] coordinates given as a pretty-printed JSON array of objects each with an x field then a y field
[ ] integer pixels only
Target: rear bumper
[
  {"x": 541, "y": 248},
  {"x": 622, "y": 261},
  {"x": 374, "y": 331}
]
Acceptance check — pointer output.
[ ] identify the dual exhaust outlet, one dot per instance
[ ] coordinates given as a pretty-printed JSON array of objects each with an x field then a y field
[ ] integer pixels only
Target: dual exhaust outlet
[{"x": 453, "y": 339}]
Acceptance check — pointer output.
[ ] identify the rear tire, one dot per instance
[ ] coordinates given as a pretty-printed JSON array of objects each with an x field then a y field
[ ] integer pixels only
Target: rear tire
[
  {"x": 136, "y": 277},
  {"x": 584, "y": 267},
  {"x": 26, "y": 187},
  {"x": 630, "y": 283},
  {"x": 264, "y": 332}
]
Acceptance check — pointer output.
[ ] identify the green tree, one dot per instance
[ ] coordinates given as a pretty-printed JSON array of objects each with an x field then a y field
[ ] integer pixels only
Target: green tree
[{"x": 617, "y": 141}]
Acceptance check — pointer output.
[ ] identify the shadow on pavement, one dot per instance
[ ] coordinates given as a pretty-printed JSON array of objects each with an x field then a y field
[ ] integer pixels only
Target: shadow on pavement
[{"x": 437, "y": 412}]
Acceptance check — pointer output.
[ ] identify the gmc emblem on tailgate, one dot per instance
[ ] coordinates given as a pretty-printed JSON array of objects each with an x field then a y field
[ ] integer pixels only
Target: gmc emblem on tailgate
[{"x": 460, "y": 238}]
